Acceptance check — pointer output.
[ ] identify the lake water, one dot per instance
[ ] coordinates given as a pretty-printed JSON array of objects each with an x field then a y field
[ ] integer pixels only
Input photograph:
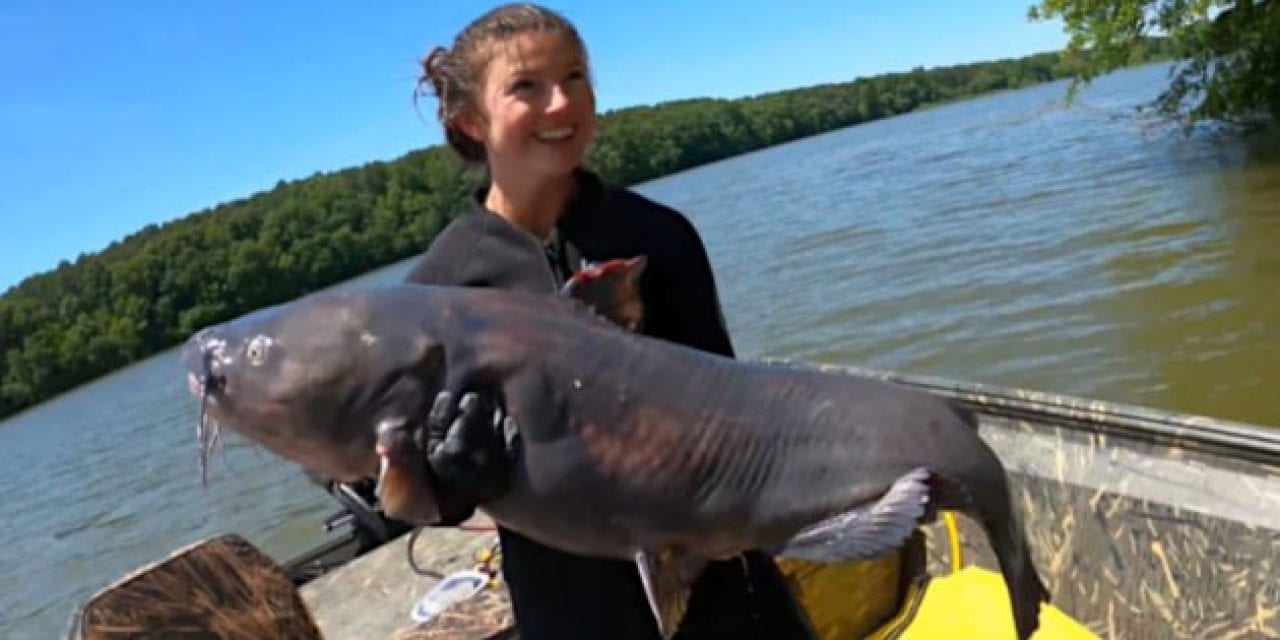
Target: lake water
[{"x": 1006, "y": 239}]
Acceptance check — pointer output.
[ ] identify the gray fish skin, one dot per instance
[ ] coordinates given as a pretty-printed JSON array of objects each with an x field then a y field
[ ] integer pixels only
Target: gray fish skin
[{"x": 631, "y": 447}]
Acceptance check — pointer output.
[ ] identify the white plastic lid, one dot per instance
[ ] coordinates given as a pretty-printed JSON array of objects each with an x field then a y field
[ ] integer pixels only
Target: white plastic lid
[{"x": 454, "y": 588}]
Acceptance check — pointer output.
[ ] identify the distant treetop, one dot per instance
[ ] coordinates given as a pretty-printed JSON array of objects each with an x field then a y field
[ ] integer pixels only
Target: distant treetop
[{"x": 1228, "y": 51}]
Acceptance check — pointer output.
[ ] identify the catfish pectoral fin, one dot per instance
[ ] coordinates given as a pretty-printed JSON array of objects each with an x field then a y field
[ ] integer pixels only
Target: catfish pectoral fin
[
  {"x": 869, "y": 531},
  {"x": 667, "y": 577},
  {"x": 404, "y": 487}
]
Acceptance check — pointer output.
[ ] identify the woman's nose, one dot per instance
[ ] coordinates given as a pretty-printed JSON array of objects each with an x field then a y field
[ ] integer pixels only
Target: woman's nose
[{"x": 559, "y": 98}]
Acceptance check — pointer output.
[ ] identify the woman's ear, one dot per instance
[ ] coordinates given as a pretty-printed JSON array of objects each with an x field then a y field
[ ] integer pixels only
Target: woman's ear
[{"x": 470, "y": 125}]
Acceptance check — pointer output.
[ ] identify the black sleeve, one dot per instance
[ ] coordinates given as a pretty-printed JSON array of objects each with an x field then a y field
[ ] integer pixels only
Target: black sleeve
[
  {"x": 479, "y": 251},
  {"x": 686, "y": 303},
  {"x": 706, "y": 297},
  {"x": 445, "y": 261},
  {"x": 476, "y": 251}
]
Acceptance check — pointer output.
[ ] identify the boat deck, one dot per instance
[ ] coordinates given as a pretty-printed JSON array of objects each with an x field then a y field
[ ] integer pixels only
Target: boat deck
[{"x": 372, "y": 596}]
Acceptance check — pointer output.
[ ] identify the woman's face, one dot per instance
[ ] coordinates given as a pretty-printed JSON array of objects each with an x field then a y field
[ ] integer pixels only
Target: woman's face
[{"x": 537, "y": 107}]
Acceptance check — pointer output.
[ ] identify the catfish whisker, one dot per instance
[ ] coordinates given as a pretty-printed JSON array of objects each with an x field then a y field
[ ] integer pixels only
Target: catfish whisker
[
  {"x": 203, "y": 428},
  {"x": 216, "y": 445}
]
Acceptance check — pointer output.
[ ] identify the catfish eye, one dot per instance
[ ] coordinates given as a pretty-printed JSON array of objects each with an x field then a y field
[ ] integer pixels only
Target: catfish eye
[{"x": 256, "y": 350}]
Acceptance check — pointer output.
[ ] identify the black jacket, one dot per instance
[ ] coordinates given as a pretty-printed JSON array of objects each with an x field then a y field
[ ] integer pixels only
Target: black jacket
[{"x": 558, "y": 595}]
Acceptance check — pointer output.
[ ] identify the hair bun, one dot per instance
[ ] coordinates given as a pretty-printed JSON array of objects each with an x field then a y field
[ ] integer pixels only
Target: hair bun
[{"x": 432, "y": 71}]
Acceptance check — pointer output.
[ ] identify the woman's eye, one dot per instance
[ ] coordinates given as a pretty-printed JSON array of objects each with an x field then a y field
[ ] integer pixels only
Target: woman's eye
[{"x": 522, "y": 86}]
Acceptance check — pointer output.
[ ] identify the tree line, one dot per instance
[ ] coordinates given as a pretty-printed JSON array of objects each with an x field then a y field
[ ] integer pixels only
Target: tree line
[{"x": 152, "y": 289}]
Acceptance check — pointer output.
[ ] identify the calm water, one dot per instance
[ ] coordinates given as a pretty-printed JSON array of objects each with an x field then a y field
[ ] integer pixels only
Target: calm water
[{"x": 1005, "y": 239}]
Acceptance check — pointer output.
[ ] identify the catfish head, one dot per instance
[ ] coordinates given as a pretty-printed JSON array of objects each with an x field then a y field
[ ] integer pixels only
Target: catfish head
[{"x": 335, "y": 382}]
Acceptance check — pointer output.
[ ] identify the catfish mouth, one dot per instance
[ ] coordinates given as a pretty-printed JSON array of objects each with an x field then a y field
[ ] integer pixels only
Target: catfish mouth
[
  {"x": 268, "y": 420},
  {"x": 209, "y": 384}
]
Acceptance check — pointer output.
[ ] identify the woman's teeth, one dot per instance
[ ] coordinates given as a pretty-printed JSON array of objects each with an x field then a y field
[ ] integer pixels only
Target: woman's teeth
[{"x": 555, "y": 134}]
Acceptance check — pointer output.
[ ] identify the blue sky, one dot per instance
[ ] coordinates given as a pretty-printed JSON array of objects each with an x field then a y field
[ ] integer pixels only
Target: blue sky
[{"x": 117, "y": 114}]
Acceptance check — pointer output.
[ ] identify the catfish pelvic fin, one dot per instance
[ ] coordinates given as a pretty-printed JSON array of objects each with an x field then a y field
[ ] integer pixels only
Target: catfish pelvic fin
[
  {"x": 868, "y": 531},
  {"x": 404, "y": 486},
  {"x": 667, "y": 577}
]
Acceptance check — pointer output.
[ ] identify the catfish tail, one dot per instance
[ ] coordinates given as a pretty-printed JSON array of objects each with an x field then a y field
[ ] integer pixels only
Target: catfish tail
[{"x": 1009, "y": 541}]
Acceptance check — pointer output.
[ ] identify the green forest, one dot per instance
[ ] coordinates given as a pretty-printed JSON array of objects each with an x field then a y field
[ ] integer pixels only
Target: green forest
[{"x": 152, "y": 289}]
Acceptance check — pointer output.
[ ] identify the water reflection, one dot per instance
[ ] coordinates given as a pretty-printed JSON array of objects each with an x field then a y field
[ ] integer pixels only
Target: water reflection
[{"x": 1212, "y": 328}]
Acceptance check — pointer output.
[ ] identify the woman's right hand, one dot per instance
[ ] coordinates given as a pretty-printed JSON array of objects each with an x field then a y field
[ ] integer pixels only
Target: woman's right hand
[{"x": 472, "y": 447}]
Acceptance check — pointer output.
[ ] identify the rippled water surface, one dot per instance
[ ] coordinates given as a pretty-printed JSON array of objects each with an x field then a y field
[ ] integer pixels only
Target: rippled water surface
[
  {"x": 1006, "y": 239},
  {"x": 1011, "y": 240}
]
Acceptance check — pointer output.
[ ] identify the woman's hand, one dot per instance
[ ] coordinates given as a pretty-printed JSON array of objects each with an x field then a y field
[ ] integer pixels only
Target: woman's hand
[{"x": 471, "y": 448}]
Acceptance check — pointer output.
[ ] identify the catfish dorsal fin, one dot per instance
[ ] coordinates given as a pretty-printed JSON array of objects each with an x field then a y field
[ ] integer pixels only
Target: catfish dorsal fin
[{"x": 667, "y": 576}]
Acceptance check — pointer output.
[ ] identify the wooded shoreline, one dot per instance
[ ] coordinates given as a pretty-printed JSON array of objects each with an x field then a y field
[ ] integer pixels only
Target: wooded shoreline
[{"x": 149, "y": 291}]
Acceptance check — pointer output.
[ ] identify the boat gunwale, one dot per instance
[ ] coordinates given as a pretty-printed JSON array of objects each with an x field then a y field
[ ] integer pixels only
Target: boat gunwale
[
  {"x": 1239, "y": 441},
  {"x": 1197, "y": 433}
]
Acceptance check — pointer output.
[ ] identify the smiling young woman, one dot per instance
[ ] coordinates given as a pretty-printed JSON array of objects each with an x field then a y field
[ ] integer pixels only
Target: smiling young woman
[
  {"x": 535, "y": 117},
  {"x": 515, "y": 99}
]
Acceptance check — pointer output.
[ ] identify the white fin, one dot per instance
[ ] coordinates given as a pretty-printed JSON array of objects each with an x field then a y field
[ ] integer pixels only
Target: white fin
[
  {"x": 869, "y": 531},
  {"x": 667, "y": 576}
]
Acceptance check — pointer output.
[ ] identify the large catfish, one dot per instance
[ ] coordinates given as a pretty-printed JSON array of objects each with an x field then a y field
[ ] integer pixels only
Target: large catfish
[{"x": 630, "y": 447}]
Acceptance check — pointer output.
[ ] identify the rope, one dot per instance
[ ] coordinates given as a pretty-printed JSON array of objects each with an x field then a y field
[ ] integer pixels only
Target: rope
[
  {"x": 486, "y": 562},
  {"x": 413, "y": 562},
  {"x": 953, "y": 538}
]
